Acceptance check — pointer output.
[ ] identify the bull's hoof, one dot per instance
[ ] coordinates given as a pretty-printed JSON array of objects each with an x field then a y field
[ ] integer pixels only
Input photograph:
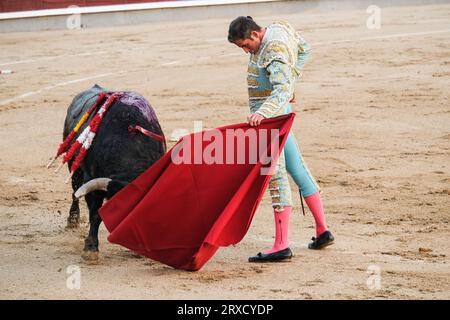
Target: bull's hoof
[
  {"x": 90, "y": 252},
  {"x": 90, "y": 256},
  {"x": 73, "y": 222}
]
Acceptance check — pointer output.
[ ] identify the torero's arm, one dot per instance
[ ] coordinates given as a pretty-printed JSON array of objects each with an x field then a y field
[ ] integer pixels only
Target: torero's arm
[
  {"x": 304, "y": 50},
  {"x": 282, "y": 80}
]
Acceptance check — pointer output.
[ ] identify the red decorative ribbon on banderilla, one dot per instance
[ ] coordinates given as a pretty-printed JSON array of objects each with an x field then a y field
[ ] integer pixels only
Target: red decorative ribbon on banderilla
[
  {"x": 148, "y": 133},
  {"x": 66, "y": 143},
  {"x": 84, "y": 140}
]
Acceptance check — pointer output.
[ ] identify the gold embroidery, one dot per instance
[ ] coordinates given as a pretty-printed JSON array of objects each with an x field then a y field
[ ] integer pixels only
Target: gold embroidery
[
  {"x": 256, "y": 93},
  {"x": 277, "y": 50},
  {"x": 253, "y": 70},
  {"x": 274, "y": 190},
  {"x": 281, "y": 44},
  {"x": 252, "y": 82},
  {"x": 269, "y": 106}
]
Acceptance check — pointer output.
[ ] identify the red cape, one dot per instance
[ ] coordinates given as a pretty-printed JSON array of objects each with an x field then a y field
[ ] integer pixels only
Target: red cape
[{"x": 180, "y": 214}]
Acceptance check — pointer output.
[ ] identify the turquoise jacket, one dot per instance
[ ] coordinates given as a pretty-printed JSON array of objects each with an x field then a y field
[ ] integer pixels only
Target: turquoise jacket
[{"x": 273, "y": 70}]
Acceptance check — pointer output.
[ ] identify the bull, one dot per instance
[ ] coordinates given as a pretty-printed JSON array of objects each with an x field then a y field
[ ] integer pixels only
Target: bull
[{"x": 116, "y": 157}]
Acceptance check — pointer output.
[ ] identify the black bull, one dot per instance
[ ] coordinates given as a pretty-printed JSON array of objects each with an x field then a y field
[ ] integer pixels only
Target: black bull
[{"x": 116, "y": 154}]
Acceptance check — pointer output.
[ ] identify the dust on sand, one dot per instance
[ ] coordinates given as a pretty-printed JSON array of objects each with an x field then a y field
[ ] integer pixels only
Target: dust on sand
[{"x": 373, "y": 126}]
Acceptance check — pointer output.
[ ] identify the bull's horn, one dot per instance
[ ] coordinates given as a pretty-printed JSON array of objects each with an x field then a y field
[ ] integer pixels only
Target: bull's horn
[{"x": 93, "y": 185}]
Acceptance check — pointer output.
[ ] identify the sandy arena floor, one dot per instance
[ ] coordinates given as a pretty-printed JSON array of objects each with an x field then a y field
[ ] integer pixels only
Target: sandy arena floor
[{"x": 373, "y": 124}]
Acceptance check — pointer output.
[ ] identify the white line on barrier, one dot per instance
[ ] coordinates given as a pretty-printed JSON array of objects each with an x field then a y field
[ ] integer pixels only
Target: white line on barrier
[{"x": 124, "y": 7}]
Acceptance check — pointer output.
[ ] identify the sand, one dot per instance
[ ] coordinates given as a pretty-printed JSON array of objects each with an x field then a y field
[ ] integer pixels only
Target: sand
[{"x": 372, "y": 122}]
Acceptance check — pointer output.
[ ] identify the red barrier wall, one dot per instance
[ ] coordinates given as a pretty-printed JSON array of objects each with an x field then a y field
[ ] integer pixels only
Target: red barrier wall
[{"x": 27, "y": 5}]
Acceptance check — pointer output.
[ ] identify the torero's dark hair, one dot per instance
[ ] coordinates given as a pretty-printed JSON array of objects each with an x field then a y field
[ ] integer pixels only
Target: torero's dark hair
[{"x": 241, "y": 27}]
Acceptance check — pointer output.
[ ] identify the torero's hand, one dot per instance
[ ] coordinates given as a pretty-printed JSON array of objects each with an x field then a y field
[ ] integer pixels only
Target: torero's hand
[{"x": 255, "y": 119}]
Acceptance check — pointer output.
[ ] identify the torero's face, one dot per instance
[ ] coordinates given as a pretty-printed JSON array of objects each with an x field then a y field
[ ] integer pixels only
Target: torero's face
[{"x": 250, "y": 45}]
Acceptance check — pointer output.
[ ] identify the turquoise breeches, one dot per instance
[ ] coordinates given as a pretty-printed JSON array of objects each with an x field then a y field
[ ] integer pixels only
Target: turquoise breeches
[
  {"x": 290, "y": 161},
  {"x": 297, "y": 168}
]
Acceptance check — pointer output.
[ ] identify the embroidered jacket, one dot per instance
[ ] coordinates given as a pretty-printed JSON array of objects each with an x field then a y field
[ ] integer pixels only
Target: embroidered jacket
[{"x": 273, "y": 70}]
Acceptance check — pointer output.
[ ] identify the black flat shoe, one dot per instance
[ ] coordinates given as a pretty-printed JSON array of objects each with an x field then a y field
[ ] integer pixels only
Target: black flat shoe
[
  {"x": 325, "y": 239},
  {"x": 272, "y": 257}
]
